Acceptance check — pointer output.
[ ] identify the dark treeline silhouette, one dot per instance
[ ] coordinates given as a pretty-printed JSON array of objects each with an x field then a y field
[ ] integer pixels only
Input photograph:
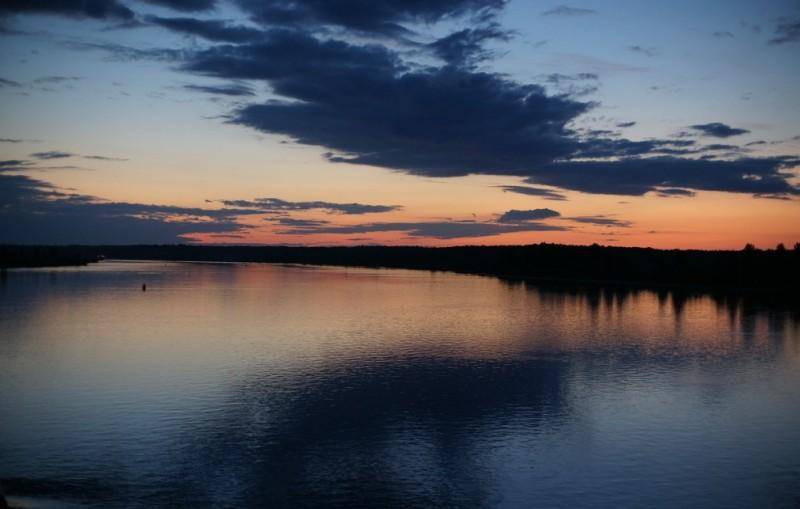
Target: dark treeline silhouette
[
  {"x": 46, "y": 256},
  {"x": 750, "y": 268}
]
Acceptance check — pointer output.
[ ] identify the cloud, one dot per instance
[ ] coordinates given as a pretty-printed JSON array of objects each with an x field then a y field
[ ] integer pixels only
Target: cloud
[
  {"x": 721, "y": 146},
  {"x": 39, "y": 212},
  {"x": 601, "y": 220},
  {"x": 637, "y": 176},
  {"x": 719, "y": 130},
  {"x": 104, "y": 158},
  {"x": 367, "y": 103},
  {"x": 756, "y": 29},
  {"x": 14, "y": 165},
  {"x": 674, "y": 192},
  {"x": 648, "y": 52},
  {"x": 55, "y": 154},
  {"x": 521, "y": 216},
  {"x": 723, "y": 34},
  {"x": 301, "y": 223},
  {"x": 564, "y": 10},
  {"x": 547, "y": 194},
  {"x": 9, "y": 83},
  {"x": 575, "y": 84},
  {"x": 51, "y": 154},
  {"x": 626, "y": 124},
  {"x": 94, "y": 9},
  {"x": 774, "y": 196},
  {"x": 278, "y": 205},
  {"x": 466, "y": 47},
  {"x": 124, "y": 53},
  {"x": 443, "y": 230},
  {"x": 234, "y": 89},
  {"x": 55, "y": 80},
  {"x": 44, "y": 83},
  {"x": 381, "y": 17},
  {"x": 36, "y": 212},
  {"x": 212, "y": 30},
  {"x": 560, "y": 78},
  {"x": 362, "y": 103},
  {"x": 184, "y": 5},
  {"x": 366, "y": 106},
  {"x": 788, "y": 30},
  {"x": 596, "y": 146}
]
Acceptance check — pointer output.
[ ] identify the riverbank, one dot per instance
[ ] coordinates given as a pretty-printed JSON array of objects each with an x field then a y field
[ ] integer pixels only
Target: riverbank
[
  {"x": 750, "y": 269},
  {"x": 46, "y": 256}
]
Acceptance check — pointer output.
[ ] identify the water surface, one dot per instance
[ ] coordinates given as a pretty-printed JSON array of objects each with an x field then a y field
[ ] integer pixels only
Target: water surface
[{"x": 244, "y": 385}]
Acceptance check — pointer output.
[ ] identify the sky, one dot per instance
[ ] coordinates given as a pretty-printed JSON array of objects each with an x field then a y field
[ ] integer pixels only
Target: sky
[{"x": 669, "y": 124}]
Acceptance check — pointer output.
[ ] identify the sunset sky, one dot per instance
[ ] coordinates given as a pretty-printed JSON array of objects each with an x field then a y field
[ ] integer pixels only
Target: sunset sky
[{"x": 670, "y": 124}]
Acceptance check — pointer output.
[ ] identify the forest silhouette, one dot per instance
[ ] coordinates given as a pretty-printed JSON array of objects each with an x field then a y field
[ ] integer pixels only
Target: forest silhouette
[{"x": 749, "y": 268}]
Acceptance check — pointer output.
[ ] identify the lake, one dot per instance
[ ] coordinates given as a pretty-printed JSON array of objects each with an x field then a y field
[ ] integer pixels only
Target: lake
[{"x": 247, "y": 385}]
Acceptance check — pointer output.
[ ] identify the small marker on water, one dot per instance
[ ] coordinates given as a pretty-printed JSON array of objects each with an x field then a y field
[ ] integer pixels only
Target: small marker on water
[{"x": 144, "y": 287}]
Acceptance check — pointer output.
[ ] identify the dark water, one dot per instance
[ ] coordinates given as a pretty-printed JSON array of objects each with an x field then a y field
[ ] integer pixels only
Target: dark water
[{"x": 266, "y": 386}]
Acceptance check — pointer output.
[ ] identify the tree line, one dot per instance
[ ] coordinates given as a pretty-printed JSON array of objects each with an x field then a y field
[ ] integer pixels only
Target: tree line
[{"x": 747, "y": 268}]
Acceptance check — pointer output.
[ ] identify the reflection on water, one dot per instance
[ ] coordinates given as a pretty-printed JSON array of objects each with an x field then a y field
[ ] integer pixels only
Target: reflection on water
[{"x": 253, "y": 385}]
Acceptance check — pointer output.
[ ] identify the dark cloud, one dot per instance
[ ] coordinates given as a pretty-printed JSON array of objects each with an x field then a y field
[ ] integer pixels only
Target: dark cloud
[
  {"x": 573, "y": 84},
  {"x": 301, "y": 223},
  {"x": 564, "y": 10},
  {"x": 648, "y": 52},
  {"x": 601, "y": 220},
  {"x": 723, "y": 34},
  {"x": 14, "y": 165},
  {"x": 294, "y": 60},
  {"x": 11, "y": 140},
  {"x": 626, "y": 124},
  {"x": 466, "y": 47},
  {"x": 366, "y": 106},
  {"x": 719, "y": 130},
  {"x": 95, "y": 9},
  {"x": 637, "y": 176},
  {"x": 105, "y": 158},
  {"x": 431, "y": 229},
  {"x": 9, "y": 83},
  {"x": 55, "y": 80},
  {"x": 788, "y": 30},
  {"x": 234, "y": 89},
  {"x": 124, "y": 53},
  {"x": 227, "y": 236},
  {"x": 721, "y": 146},
  {"x": 36, "y": 212},
  {"x": 184, "y": 5},
  {"x": 361, "y": 102},
  {"x": 560, "y": 78},
  {"x": 752, "y": 27},
  {"x": 521, "y": 216},
  {"x": 51, "y": 154},
  {"x": 674, "y": 191},
  {"x": 774, "y": 196},
  {"x": 547, "y": 194},
  {"x": 212, "y": 30},
  {"x": 17, "y": 165},
  {"x": 596, "y": 146},
  {"x": 385, "y": 17},
  {"x": 278, "y": 205}
]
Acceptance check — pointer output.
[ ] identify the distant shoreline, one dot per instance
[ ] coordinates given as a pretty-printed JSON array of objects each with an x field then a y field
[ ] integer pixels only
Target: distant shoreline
[{"x": 746, "y": 270}]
